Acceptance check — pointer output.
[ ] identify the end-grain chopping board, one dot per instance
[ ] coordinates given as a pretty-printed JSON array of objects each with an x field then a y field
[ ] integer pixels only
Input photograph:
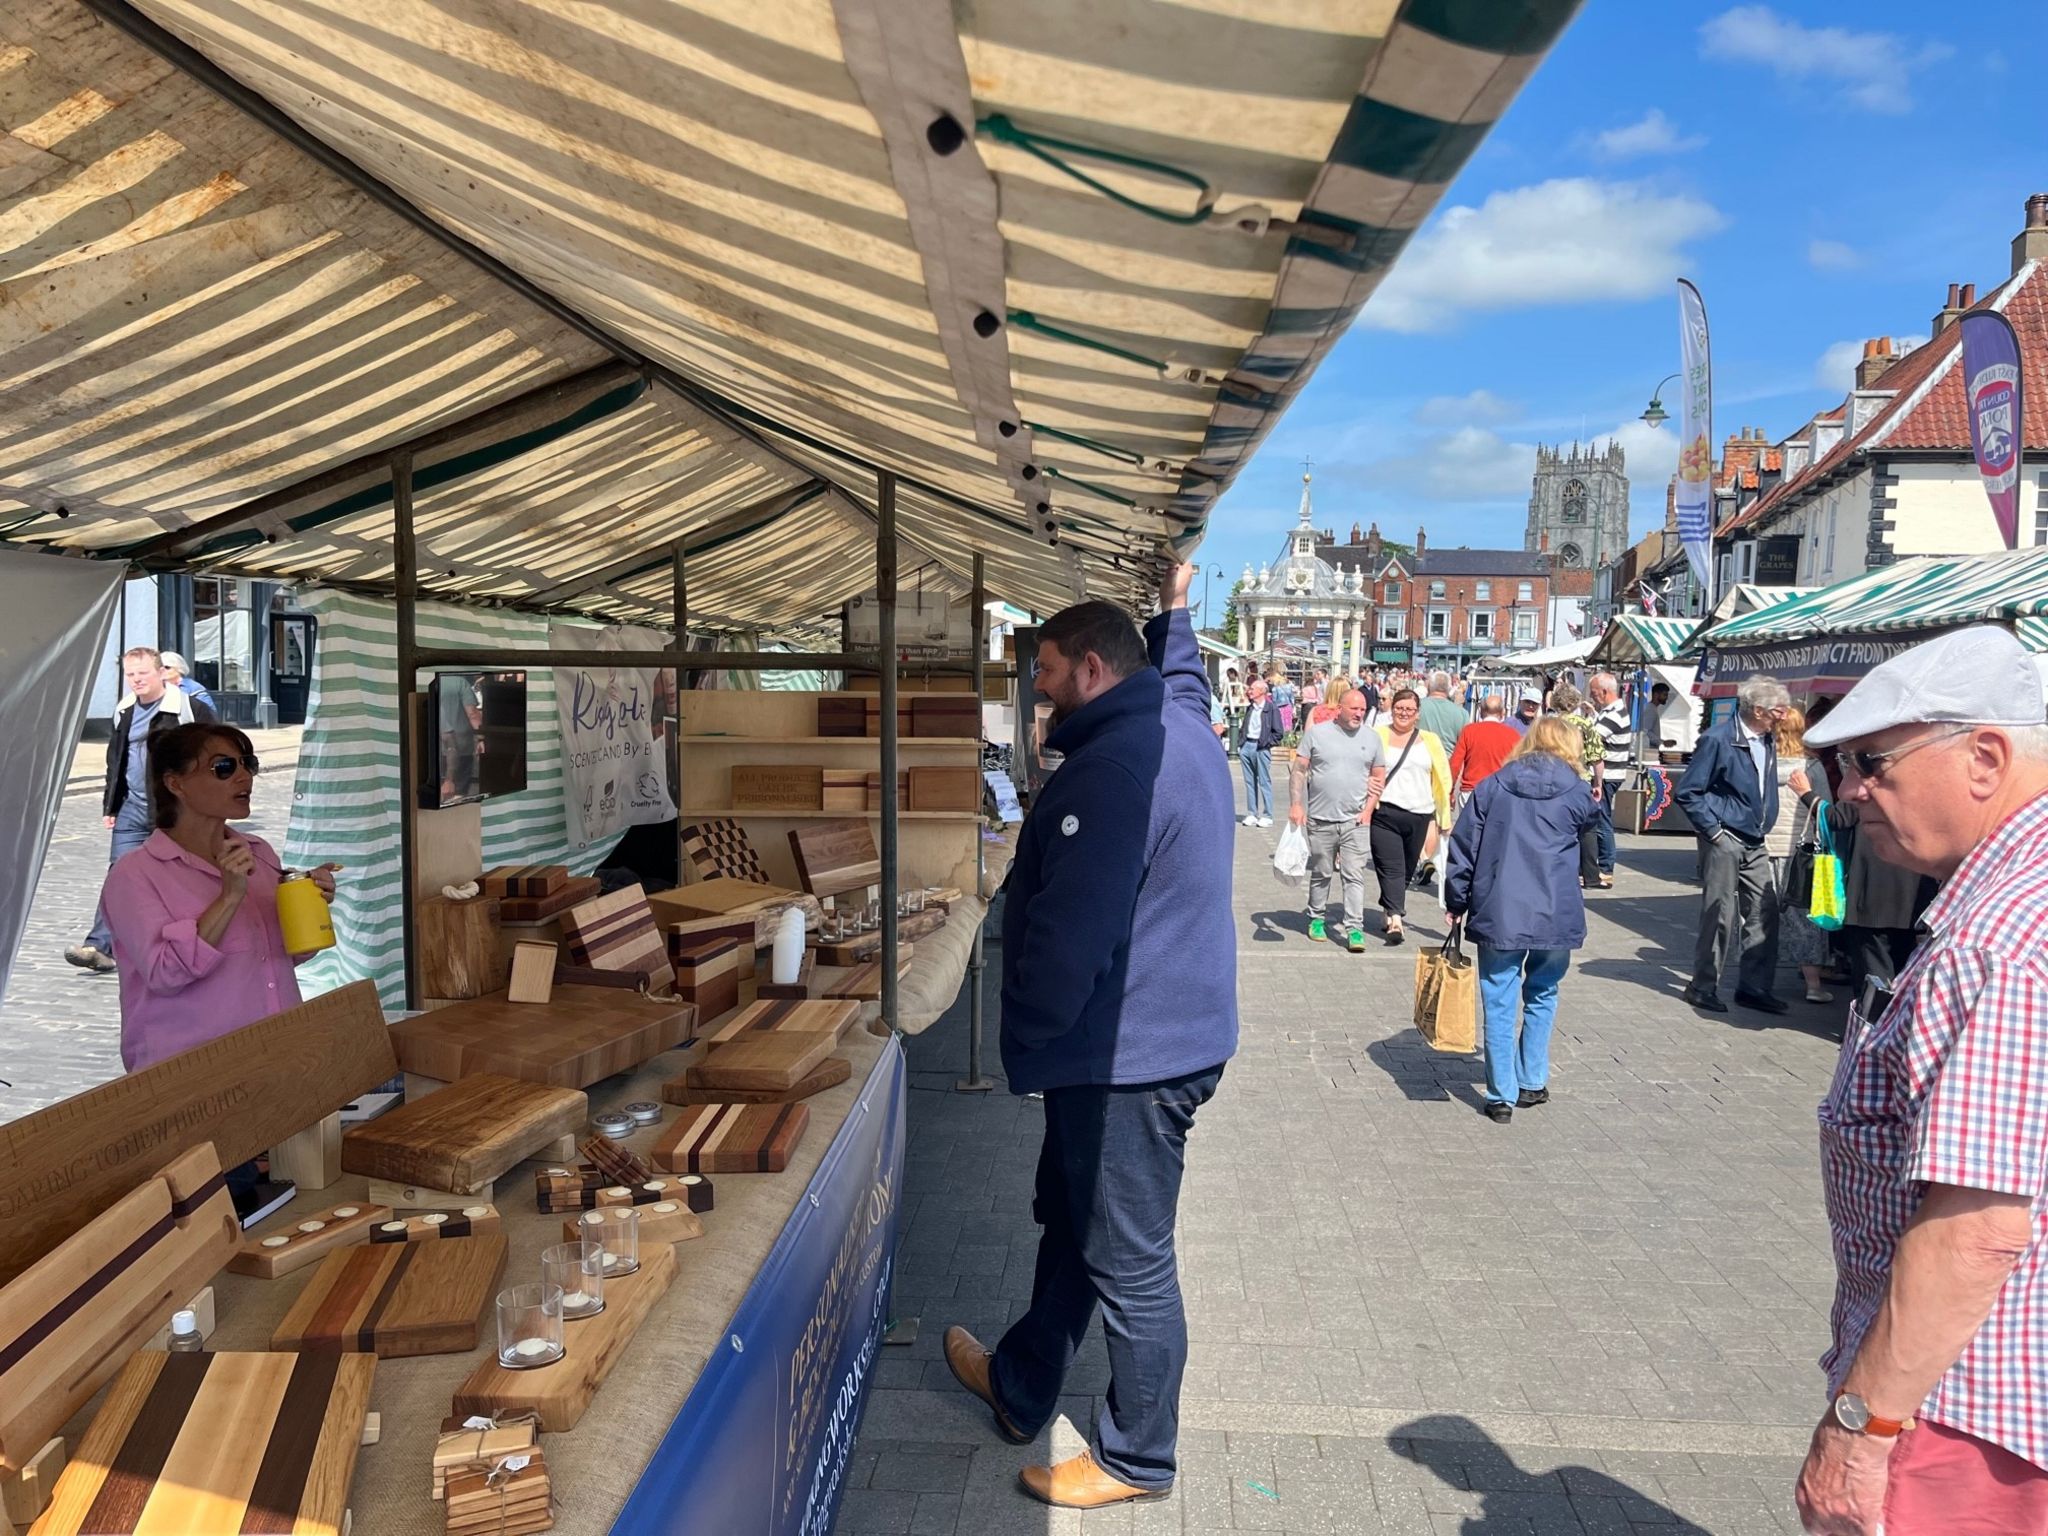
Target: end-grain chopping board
[
  {"x": 785, "y": 1016},
  {"x": 466, "y": 1135},
  {"x": 774, "y": 1059},
  {"x": 829, "y": 1073},
  {"x": 578, "y": 1037},
  {"x": 218, "y": 1443},
  {"x": 732, "y": 1138},
  {"x": 70, "y": 1319},
  {"x": 560, "y": 1393},
  {"x": 397, "y": 1299}
]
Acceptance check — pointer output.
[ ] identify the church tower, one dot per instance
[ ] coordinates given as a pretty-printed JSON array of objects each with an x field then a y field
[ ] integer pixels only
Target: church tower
[{"x": 1578, "y": 506}]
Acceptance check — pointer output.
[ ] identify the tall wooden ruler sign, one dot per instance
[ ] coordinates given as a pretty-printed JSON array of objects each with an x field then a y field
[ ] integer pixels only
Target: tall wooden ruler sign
[{"x": 244, "y": 1092}]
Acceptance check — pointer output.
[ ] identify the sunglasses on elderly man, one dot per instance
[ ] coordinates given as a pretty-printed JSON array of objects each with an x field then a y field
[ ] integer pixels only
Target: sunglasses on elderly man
[
  {"x": 1874, "y": 765},
  {"x": 224, "y": 766}
]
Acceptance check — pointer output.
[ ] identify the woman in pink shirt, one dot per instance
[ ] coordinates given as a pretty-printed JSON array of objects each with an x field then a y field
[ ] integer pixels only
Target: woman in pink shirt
[{"x": 194, "y": 909}]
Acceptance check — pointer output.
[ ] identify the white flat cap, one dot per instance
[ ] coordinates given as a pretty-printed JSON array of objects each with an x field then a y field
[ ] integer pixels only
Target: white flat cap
[{"x": 1981, "y": 675}]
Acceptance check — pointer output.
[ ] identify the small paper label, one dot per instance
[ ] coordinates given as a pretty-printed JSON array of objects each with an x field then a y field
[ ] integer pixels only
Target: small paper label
[
  {"x": 515, "y": 1463},
  {"x": 477, "y": 1421}
]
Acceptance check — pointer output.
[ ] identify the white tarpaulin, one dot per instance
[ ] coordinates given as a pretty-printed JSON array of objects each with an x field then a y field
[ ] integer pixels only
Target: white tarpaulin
[
  {"x": 612, "y": 775},
  {"x": 54, "y": 617}
]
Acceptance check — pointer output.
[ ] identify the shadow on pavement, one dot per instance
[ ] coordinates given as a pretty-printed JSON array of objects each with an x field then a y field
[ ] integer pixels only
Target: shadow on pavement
[
  {"x": 1424, "y": 1074},
  {"x": 1513, "y": 1499}
]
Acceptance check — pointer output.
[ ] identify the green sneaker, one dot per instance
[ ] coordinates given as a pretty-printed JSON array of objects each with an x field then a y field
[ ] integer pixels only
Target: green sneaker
[
  {"x": 1316, "y": 930},
  {"x": 1355, "y": 941}
]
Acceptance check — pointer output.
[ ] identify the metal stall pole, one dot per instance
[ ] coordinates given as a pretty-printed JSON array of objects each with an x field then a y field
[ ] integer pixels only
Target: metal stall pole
[
  {"x": 405, "y": 578},
  {"x": 885, "y": 613},
  {"x": 682, "y": 643},
  {"x": 974, "y": 1082}
]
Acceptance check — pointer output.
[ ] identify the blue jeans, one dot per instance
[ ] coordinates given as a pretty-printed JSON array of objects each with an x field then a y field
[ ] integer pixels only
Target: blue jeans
[
  {"x": 130, "y": 833},
  {"x": 1605, "y": 828},
  {"x": 1524, "y": 982},
  {"x": 1108, "y": 1189},
  {"x": 1258, "y": 779}
]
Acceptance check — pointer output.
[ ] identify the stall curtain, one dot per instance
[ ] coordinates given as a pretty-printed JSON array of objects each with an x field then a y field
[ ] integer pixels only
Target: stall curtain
[
  {"x": 345, "y": 801},
  {"x": 55, "y": 616}
]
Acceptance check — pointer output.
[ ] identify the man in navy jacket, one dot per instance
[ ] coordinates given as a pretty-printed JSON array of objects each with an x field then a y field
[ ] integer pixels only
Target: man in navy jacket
[
  {"x": 1120, "y": 1006},
  {"x": 1730, "y": 794}
]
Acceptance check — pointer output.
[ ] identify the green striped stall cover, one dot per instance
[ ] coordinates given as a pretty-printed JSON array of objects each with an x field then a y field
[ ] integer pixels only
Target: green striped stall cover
[
  {"x": 2004, "y": 587},
  {"x": 345, "y": 800}
]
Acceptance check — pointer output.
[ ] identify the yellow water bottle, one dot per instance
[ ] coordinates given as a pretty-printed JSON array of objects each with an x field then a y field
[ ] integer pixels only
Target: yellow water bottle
[{"x": 302, "y": 914}]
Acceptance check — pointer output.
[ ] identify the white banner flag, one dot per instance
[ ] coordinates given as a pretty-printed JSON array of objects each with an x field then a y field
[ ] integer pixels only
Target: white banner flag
[
  {"x": 612, "y": 772},
  {"x": 1695, "y": 439}
]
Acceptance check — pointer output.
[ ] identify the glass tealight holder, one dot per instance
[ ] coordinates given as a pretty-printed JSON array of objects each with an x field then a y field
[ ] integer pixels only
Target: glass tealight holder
[
  {"x": 616, "y": 1231},
  {"x": 529, "y": 1326},
  {"x": 871, "y": 916},
  {"x": 577, "y": 1269}
]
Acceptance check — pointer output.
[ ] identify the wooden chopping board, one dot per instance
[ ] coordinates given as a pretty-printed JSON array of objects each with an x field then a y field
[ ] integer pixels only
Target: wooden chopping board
[
  {"x": 538, "y": 909},
  {"x": 829, "y": 1073},
  {"x": 788, "y": 1016},
  {"x": 397, "y": 1299},
  {"x": 864, "y": 982},
  {"x": 464, "y": 1136},
  {"x": 732, "y": 1138},
  {"x": 218, "y": 1443},
  {"x": 578, "y": 1037},
  {"x": 71, "y": 1318},
  {"x": 775, "y": 1060},
  {"x": 718, "y": 898},
  {"x": 561, "y": 1392}
]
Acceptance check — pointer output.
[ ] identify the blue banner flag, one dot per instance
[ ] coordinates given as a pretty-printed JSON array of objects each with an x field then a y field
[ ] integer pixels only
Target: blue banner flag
[
  {"x": 1992, "y": 389},
  {"x": 1695, "y": 439},
  {"x": 762, "y": 1444}
]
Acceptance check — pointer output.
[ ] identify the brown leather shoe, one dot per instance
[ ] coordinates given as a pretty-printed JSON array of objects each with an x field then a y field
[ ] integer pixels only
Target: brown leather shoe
[
  {"x": 970, "y": 1364},
  {"x": 1079, "y": 1483}
]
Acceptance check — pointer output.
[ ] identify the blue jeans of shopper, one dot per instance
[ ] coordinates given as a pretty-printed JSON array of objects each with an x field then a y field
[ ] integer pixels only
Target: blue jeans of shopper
[
  {"x": 1519, "y": 983},
  {"x": 1604, "y": 829},
  {"x": 131, "y": 831},
  {"x": 1258, "y": 779},
  {"x": 1108, "y": 1188}
]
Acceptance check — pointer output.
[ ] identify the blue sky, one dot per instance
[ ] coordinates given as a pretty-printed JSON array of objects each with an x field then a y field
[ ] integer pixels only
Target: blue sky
[{"x": 1822, "y": 172}]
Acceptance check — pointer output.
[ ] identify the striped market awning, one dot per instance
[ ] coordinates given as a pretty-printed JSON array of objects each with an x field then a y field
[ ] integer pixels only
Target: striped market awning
[
  {"x": 1059, "y": 267},
  {"x": 1633, "y": 639}
]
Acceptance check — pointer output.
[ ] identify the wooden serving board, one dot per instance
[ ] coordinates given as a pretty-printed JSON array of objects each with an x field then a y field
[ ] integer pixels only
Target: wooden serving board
[
  {"x": 829, "y": 1073},
  {"x": 777, "y": 1060},
  {"x": 70, "y": 1319},
  {"x": 864, "y": 982},
  {"x": 302, "y": 1237},
  {"x": 538, "y": 909},
  {"x": 397, "y": 1299},
  {"x": 732, "y": 1138},
  {"x": 665, "y": 1221},
  {"x": 466, "y": 1135},
  {"x": 218, "y": 1443},
  {"x": 785, "y": 1016},
  {"x": 244, "y": 1092},
  {"x": 561, "y": 1392},
  {"x": 833, "y": 857},
  {"x": 935, "y": 788},
  {"x": 525, "y": 879},
  {"x": 578, "y": 1037},
  {"x": 425, "y": 1226},
  {"x": 719, "y": 898}
]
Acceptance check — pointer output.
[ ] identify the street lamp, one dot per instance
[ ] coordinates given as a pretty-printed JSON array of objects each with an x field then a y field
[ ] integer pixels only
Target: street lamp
[
  {"x": 1208, "y": 618},
  {"x": 1656, "y": 415}
]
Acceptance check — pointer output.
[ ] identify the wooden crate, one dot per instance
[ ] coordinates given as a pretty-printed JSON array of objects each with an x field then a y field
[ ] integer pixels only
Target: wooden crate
[
  {"x": 944, "y": 789},
  {"x": 777, "y": 787}
]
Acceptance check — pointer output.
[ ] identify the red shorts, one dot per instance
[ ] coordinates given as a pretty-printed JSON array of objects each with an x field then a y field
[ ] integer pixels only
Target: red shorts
[{"x": 1942, "y": 1482}]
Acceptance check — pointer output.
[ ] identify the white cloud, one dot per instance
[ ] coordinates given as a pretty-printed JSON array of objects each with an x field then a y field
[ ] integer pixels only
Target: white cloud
[
  {"x": 1567, "y": 241},
  {"x": 1476, "y": 465},
  {"x": 1870, "y": 70},
  {"x": 1481, "y": 406},
  {"x": 1832, "y": 256},
  {"x": 1835, "y": 369},
  {"x": 1652, "y": 134}
]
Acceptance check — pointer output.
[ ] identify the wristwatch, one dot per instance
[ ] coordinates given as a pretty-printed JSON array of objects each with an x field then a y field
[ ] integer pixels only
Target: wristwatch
[{"x": 1854, "y": 1415}]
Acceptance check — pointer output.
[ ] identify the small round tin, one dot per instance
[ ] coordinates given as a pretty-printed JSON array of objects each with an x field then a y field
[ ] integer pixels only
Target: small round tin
[
  {"x": 645, "y": 1113},
  {"x": 612, "y": 1123}
]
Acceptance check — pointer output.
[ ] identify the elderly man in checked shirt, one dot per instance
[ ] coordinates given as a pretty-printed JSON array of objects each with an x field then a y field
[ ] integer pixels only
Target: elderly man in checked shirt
[{"x": 1934, "y": 1132}]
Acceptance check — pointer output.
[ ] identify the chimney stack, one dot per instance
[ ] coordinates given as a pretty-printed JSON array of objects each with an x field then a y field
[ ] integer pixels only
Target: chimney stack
[
  {"x": 1878, "y": 355},
  {"x": 1968, "y": 298},
  {"x": 1947, "y": 315},
  {"x": 1372, "y": 548},
  {"x": 2031, "y": 243},
  {"x": 1421, "y": 540},
  {"x": 1354, "y": 533}
]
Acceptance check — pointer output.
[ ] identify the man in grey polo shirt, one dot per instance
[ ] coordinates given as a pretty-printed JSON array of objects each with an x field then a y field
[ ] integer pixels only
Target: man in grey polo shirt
[{"x": 1339, "y": 771}]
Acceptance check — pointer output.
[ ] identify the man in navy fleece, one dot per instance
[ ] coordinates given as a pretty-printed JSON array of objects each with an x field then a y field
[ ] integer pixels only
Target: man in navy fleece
[{"x": 1120, "y": 1006}]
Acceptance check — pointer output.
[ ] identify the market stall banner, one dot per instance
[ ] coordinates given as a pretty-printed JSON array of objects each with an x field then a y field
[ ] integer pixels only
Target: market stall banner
[
  {"x": 1822, "y": 664},
  {"x": 1993, "y": 386},
  {"x": 1695, "y": 495},
  {"x": 612, "y": 774},
  {"x": 762, "y": 1444}
]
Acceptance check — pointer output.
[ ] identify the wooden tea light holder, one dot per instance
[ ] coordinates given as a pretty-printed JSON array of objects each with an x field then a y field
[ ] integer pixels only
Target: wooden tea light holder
[
  {"x": 661, "y": 1221},
  {"x": 299, "y": 1240},
  {"x": 420, "y": 1226}
]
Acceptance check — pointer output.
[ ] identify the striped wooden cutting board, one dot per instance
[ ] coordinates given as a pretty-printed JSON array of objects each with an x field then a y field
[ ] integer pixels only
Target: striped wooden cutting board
[
  {"x": 864, "y": 982},
  {"x": 616, "y": 932},
  {"x": 258, "y": 1444},
  {"x": 786, "y": 1016},
  {"x": 397, "y": 1299},
  {"x": 732, "y": 1138}
]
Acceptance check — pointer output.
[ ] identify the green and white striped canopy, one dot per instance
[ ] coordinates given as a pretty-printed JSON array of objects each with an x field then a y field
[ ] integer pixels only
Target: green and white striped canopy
[
  {"x": 1930, "y": 593},
  {"x": 1632, "y": 639}
]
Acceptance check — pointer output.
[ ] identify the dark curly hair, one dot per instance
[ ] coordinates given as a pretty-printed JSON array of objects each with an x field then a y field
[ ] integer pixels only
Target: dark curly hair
[{"x": 179, "y": 750}]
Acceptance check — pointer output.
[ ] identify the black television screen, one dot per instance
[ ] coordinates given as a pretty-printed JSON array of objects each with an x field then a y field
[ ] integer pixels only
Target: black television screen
[{"x": 473, "y": 741}]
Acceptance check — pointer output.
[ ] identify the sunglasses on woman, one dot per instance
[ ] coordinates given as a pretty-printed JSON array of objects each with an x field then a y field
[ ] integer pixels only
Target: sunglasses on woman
[{"x": 224, "y": 766}]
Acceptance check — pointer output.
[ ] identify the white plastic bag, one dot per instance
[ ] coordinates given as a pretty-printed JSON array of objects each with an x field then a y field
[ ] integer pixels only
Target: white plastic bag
[{"x": 1290, "y": 859}]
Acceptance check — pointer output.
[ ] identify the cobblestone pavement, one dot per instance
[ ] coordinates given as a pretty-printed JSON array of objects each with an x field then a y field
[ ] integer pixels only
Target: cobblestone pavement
[
  {"x": 1602, "y": 1318},
  {"x": 60, "y": 1027}
]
